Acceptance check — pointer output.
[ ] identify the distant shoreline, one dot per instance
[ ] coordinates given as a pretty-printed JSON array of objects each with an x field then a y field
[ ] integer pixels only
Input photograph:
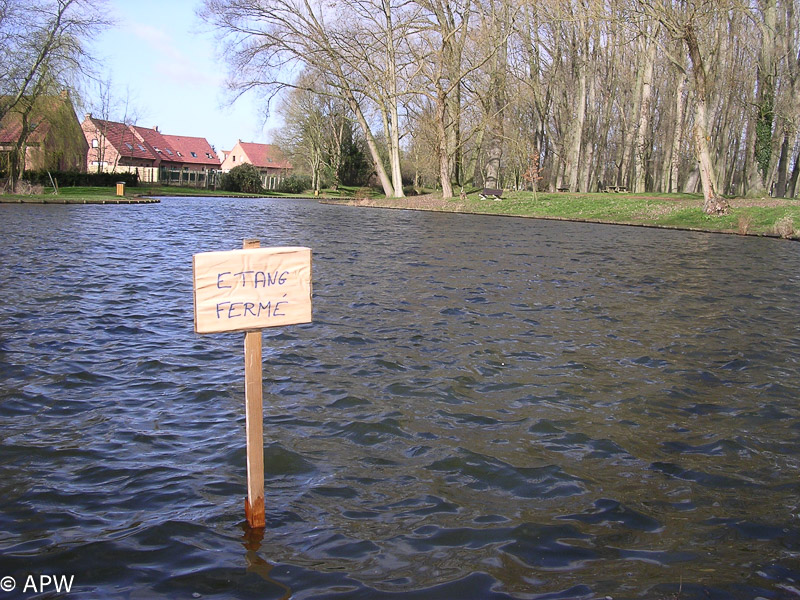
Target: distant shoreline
[
  {"x": 743, "y": 220},
  {"x": 759, "y": 217}
]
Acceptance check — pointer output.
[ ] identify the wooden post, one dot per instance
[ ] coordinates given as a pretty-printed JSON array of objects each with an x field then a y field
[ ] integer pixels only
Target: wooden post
[{"x": 254, "y": 414}]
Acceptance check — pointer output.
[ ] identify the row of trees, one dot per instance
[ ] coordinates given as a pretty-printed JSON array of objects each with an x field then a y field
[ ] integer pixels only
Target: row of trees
[
  {"x": 42, "y": 54},
  {"x": 319, "y": 136},
  {"x": 655, "y": 95}
]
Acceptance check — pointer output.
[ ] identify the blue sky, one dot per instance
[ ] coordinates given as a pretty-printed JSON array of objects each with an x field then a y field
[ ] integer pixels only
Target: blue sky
[{"x": 165, "y": 62}]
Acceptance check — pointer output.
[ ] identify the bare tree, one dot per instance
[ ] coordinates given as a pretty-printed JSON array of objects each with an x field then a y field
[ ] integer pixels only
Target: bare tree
[
  {"x": 268, "y": 41},
  {"x": 44, "y": 52}
]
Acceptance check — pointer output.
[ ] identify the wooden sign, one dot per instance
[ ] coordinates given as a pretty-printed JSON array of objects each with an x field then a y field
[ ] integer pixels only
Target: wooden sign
[
  {"x": 241, "y": 290},
  {"x": 245, "y": 290}
]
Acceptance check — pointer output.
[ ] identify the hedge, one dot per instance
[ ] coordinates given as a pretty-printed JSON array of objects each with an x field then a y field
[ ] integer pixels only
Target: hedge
[{"x": 76, "y": 178}]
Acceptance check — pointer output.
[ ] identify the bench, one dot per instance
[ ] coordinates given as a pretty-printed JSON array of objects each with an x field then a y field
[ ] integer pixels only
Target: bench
[
  {"x": 495, "y": 194},
  {"x": 563, "y": 189},
  {"x": 616, "y": 189}
]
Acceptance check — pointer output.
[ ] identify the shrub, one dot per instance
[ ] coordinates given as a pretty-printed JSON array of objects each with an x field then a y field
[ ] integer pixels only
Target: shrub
[
  {"x": 294, "y": 184},
  {"x": 245, "y": 178}
]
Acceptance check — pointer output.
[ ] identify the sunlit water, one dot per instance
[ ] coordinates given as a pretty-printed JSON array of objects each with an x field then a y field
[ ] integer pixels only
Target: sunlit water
[{"x": 483, "y": 408}]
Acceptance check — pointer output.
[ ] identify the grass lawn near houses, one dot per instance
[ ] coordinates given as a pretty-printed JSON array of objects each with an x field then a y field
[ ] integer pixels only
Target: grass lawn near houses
[{"x": 80, "y": 195}]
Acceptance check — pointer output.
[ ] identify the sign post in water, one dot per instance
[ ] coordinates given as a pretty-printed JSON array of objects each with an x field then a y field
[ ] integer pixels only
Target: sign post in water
[{"x": 247, "y": 290}]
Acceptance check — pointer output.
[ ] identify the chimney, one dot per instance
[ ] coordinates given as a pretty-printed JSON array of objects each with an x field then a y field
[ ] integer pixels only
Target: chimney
[{"x": 155, "y": 128}]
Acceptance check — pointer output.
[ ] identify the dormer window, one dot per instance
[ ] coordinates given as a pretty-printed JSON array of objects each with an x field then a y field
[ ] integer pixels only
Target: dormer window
[{"x": 194, "y": 154}]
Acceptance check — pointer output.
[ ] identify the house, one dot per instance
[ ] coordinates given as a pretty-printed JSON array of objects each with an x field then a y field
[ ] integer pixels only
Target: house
[
  {"x": 156, "y": 157},
  {"x": 268, "y": 158},
  {"x": 192, "y": 155},
  {"x": 54, "y": 141}
]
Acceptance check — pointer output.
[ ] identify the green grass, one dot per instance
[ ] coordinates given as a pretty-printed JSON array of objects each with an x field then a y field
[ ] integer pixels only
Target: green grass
[
  {"x": 98, "y": 194},
  {"x": 67, "y": 194},
  {"x": 681, "y": 211}
]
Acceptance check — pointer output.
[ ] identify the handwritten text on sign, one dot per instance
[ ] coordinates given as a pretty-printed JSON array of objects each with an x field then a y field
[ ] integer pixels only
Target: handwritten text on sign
[{"x": 239, "y": 290}]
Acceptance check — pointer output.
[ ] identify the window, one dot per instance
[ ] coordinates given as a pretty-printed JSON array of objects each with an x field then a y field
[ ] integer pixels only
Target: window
[
  {"x": 129, "y": 145},
  {"x": 233, "y": 159},
  {"x": 95, "y": 143},
  {"x": 194, "y": 154},
  {"x": 141, "y": 147},
  {"x": 178, "y": 153},
  {"x": 208, "y": 155}
]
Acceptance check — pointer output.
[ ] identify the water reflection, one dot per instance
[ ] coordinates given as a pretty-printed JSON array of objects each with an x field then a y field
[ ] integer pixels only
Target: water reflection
[
  {"x": 482, "y": 408},
  {"x": 253, "y": 539}
]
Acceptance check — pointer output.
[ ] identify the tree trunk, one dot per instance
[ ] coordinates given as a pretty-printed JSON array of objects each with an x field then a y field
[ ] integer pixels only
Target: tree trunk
[
  {"x": 590, "y": 143},
  {"x": 792, "y": 191},
  {"x": 783, "y": 165},
  {"x": 386, "y": 184},
  {"x": 454, "y": 137},
  {"x": 623, "y": 177},
  {"x": 497, "y": 104},
  {"x": 393, "y": 135},
  {"x": 766, "y": 97},
  {"x": 474, "y": 168},
  {"x": 680, "y": 108},
  {"x": 19, "y": 151},
  {"x": 441, "y": 135},
  {"x": 713, "y": 204},
  {"x": 576, "y": 129},
  {"x": 642, "y": 149}
]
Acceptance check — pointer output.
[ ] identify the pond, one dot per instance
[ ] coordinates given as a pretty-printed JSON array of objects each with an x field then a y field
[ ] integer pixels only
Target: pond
[{"x": 482, "y": 408}]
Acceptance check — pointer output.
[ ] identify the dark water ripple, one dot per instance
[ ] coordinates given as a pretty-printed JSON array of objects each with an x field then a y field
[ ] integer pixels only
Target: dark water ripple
[{"x": 482, "y": 409}]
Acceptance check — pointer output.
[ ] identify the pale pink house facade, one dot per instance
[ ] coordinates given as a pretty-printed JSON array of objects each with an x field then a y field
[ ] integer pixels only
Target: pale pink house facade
[{"x": 267, "y": 158}]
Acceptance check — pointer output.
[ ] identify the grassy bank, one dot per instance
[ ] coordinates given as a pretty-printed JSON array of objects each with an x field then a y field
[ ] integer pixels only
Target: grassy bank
[
  {"x": 760, "y": 216},
  {"x": 94, "y": 195},
  {"x": 764, "y": 216}
]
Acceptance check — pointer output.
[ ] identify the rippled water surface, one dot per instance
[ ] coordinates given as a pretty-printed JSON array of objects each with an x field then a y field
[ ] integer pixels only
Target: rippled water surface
[{"x": 482, "y": 408}]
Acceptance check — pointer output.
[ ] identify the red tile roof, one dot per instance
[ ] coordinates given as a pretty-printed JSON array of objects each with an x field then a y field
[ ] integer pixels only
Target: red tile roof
[
  {"x": 124, "y": 140},
  {"x": 11, "y": 125},
  {"x": 192, "y": 150},
  {"x": 133, "y": 141},
  {"x": 265, "y": 155},
  {"x": 153, "y": 139}
]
